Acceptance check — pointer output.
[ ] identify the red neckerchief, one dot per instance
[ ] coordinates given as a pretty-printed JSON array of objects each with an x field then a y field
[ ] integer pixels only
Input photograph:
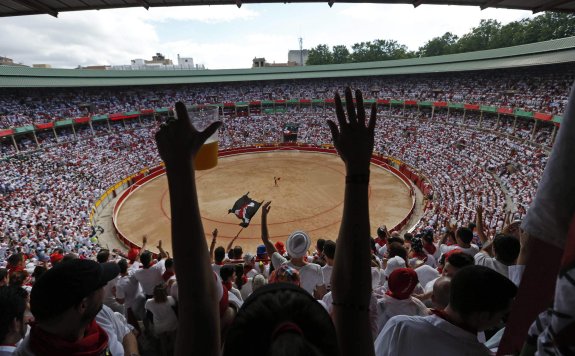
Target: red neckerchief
[
  {"x": 443, "y": 315},
  {"x": 420, "y": 256},
  {"x": 11, "y": 269},
  {"x": 430, "y": 248},
  {"x": 247, "y": 268},
  {"x": 224, "y": 301},
  {"x": 167, "y": 275},
  {"x": 94, "y": 343},
  {"x": 228, "y": 285}
]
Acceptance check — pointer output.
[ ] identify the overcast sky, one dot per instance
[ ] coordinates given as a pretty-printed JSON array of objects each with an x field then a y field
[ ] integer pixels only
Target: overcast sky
[{"x": 225, "y": 36}]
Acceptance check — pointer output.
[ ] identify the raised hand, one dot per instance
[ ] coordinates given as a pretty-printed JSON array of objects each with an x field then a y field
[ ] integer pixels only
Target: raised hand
[
  {"x": 266, "y": 209},
  {"x": 178, "y": 140},
  {"x": 353, "y": 140}
]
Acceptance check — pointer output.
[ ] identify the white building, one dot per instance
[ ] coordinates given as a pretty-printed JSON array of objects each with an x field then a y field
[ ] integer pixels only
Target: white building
[
  {"x": 300, "y": 57},
  {"x": 159, "y": 62}
]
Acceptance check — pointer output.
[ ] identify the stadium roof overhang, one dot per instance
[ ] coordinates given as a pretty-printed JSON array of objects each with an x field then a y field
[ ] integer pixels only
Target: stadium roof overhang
[
  {"x": 534, "y": 54},
  {"x": 54, "y": 7}
]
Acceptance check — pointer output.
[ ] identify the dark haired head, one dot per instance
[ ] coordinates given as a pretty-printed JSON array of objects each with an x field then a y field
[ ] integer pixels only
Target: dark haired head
[
  {"x": 226, "y": 272},
  {"x": 407, "y": 236},
  {"x": 296, "y": 325},
  {"x": 69, "y": 257},
  {"x": 219, "y": 254},
  {"x": 17, "y": 278},
  {"x": 238, "y": 252},
  {"x": 506, "y": 248},
  {"x": 478, "y": 289},
  {"x": 460, "y": 259},
  {"x": 12, "y": 306},
  {"x": 15, "y": 259},
  {"x": 239, "y": 269},
  {"x": 146, "y": 258},
  {"x": 160, "y": 293},
  {"x": 329, "y": 249},
  {"x": 319, "y": 245},
  {"x": 103, "y": 256},
  {"x": 123, "y": 264},
  {"x": 169, "y": 263},
  {"x": 395, "y": 239},
  {"x": 465, "y": 235},
  {"x": 396, "y": 249}
]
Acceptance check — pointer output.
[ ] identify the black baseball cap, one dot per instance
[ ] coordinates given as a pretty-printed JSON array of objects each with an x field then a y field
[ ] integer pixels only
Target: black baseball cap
[{"x": 66, "y": 284}]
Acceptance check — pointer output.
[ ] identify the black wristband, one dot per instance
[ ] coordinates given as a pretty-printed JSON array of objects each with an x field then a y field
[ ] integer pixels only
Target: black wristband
[{"x": 357, "y": 179}]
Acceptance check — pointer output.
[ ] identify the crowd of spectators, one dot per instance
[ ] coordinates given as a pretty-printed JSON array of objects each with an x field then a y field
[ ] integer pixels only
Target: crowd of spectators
[
  {"x": 37, "y": 187},
  {"x": 543, "y": 89},
  {"x": 485, "y": 174}
]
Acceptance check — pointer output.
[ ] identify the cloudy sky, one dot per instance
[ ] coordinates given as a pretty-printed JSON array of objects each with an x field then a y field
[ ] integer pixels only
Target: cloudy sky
[{"x": 225, "y": 36}]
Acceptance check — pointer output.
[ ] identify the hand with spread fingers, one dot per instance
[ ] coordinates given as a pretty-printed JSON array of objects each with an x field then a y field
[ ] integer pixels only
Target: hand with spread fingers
[
  {"x": 353, "y": 139},
  {"x": 351, "y": 276},
  {"x": 177, "y": 138}
]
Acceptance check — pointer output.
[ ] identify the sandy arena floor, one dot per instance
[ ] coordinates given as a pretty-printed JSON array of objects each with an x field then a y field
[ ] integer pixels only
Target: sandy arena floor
[{"x": 309, "y": 198}]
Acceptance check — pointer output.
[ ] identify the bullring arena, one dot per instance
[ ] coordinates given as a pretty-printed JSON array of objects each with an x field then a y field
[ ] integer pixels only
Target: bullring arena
[
  {"x": 81, "y": 176},
  {"x": 309, "y": 197}
]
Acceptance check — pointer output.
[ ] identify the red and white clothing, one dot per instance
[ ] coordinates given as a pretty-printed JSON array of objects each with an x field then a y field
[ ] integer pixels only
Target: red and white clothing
[
  {"x": 150, "y": 277},
  {"x": 483, "y": 259},
  {"x": 388, "y": 307},
  {"x": 471, "y": 250},
  {"x": 310, "y": 274},
  {"x": 428, "y": 335},
  {"x": 165, "y": 318},
  {"x": 129, "y": 289}
]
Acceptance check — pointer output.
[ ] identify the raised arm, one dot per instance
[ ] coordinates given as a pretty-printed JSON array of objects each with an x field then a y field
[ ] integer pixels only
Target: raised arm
[
  {"x": 229, "y": 248},
  {"x": 143, "y": 248},
  {"x": 163, "y": 254},
  {"x": 213, "y": 244},
  {"x": 351, "y": 279},
  {"x": 270, "y": 248},
  {"x": 198, "y": 323},
  {"x": 479, "y": 225}
]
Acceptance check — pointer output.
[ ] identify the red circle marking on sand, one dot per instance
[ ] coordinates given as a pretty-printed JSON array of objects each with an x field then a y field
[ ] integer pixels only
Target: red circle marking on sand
[{"x": 164, "y": 194}]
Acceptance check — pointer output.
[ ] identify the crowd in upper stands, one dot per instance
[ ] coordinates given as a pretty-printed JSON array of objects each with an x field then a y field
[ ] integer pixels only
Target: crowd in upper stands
[
  {"x": 483, "y": 173},
  {"x": 543, "y": 89}
]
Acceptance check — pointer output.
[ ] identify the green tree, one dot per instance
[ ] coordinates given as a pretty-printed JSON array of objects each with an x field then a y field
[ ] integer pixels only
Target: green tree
[
  {"x": 379, "y": 50},
  {"x": 480, "y": 37},
  {"x": 512, "y": 34},
  {"x": 439, "y": 45},
  {"x": 319, "y": 55},
  {"x": 341, "y": 54},
  {"x": 550, "y": 26}
]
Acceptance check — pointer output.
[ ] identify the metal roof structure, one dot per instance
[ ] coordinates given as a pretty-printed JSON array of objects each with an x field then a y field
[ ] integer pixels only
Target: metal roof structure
[
  {"x": 534, "y": 54},
  {"x": 54, "y": 7}
]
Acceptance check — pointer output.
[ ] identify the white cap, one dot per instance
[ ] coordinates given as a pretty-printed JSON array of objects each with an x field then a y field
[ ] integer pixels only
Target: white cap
[{"x": 297, "y": 244}]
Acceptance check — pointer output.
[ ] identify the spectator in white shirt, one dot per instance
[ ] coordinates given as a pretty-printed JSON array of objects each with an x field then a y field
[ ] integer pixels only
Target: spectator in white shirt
[
  {"x": 329, "y": 253},
  {"x": 165, "y": 320},
  {"x": 474, "y": 306},
  {"x": 499, "y": 254}
]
